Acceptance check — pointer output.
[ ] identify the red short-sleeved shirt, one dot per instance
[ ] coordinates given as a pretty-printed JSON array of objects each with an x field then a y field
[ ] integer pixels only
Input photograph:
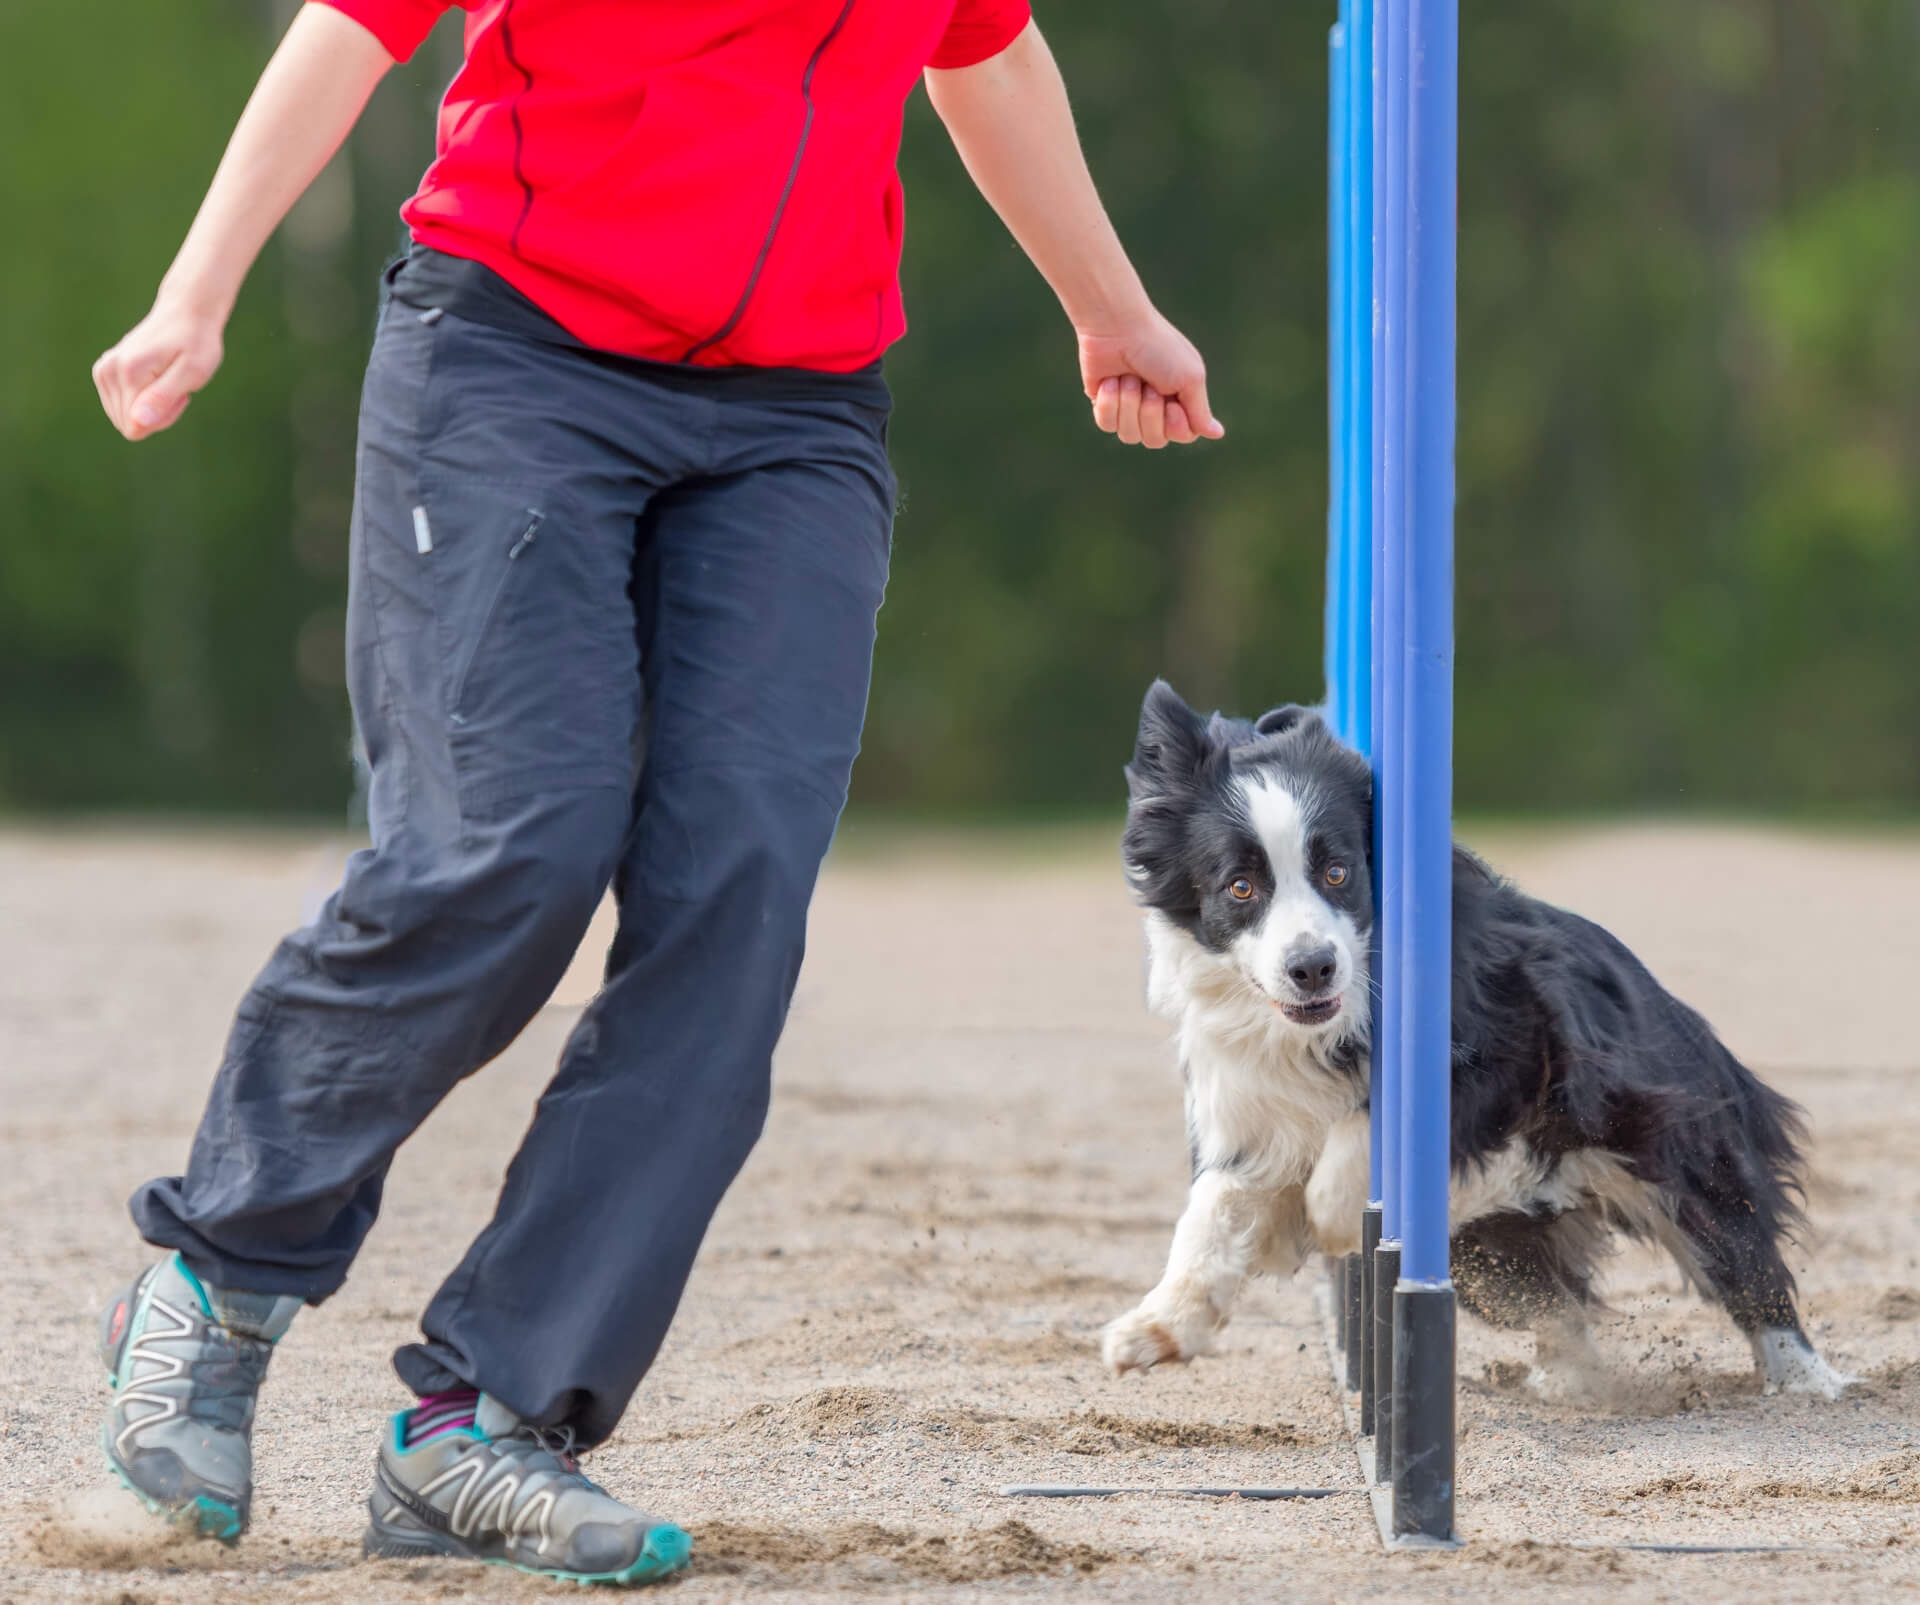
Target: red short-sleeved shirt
[{"x": 710, "y": 182}]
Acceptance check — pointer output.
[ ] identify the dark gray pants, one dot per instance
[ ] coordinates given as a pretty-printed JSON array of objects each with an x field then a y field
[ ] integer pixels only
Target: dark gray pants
[{"x": 549, "y": 551}]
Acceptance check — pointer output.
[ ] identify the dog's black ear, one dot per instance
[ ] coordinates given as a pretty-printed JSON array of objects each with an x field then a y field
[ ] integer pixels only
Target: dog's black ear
[
  {"x": 1172, "y": 744},
  {"x": 1278, "y": 721}
]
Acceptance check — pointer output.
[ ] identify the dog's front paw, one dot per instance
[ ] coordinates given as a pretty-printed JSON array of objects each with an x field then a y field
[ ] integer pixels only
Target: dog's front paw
[
  {"x": 1160, "y": 1331},
  {"x": 1140, "y": 1340}
]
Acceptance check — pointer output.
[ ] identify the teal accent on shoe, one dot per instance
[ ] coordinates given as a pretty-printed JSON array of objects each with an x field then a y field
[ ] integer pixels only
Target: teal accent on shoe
[
  {"x": 199, "y": 1292},
  {"x": 667, "y": 1550},
  {"x": 402, "y": 1447},
  {"x": 211, "y": 1518},
  {"x": 216, "y": 1519}
]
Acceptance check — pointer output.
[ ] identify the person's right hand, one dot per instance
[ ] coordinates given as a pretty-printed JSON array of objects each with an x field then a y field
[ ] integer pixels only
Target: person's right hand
[{"x": 146, "y": 381}]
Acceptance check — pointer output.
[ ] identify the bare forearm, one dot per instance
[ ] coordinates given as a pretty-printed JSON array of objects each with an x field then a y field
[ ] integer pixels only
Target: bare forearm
[
  {"x": 306, "y": 102},
  {"x": 1010, "y": 121},
  {"x": 303, "y": 108}
]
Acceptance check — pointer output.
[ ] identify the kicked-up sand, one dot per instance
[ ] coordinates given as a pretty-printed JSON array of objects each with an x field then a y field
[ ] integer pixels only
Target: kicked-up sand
[{"x": 974, "y": 1158}]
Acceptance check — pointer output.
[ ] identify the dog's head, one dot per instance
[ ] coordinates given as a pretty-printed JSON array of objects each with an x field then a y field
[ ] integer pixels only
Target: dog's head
[{"x": 1251, "y": 842}]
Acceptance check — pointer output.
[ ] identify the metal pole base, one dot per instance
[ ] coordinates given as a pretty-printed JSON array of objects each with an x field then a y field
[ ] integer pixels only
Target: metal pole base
[
  {"x": 1386, "y": 1277},
  {"x": 1423, "y": 1427},
  {"x": 1369, "y": 1241},
  {"x": 1349, "y": 1291}
]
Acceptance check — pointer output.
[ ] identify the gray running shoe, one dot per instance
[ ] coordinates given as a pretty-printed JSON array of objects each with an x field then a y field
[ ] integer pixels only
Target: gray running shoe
[
  {"x": 186, "y": 1361},
  {"x": 513, "y": 1494}
]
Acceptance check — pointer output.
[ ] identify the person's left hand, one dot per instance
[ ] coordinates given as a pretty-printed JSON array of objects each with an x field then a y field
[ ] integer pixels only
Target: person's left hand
[{"x": 1147, "y": 383}]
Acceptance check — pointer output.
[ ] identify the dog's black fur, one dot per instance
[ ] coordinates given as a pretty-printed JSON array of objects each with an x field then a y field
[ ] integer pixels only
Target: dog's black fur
[{"x": 1563, "y": 1038}]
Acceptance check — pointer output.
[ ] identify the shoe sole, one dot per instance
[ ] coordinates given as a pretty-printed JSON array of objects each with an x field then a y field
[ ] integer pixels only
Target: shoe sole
[
  {"x": 666, "y": 1551},
  {"x": 203, "y": 1517}
]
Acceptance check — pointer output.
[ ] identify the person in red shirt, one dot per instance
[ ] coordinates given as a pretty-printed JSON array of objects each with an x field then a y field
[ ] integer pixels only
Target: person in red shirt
[{"x": 621, "y": 526}]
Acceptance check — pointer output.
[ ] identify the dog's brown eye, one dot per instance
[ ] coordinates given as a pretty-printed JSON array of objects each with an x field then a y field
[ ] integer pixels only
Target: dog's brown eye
[
  {"x": 1336, "y": 874},
  {"x": 1241, "y": 890}
]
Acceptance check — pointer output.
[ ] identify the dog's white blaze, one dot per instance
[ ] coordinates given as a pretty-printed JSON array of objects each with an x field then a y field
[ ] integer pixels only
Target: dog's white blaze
[{"x": 1297, "y": 917}]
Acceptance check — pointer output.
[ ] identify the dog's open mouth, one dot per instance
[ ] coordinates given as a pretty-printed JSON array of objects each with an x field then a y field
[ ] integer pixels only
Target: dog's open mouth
[{"x": 1318, "y": 1012}]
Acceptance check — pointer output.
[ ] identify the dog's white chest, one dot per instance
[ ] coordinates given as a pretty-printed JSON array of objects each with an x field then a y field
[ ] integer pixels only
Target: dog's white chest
[{"x": 1263, "y": 1104}]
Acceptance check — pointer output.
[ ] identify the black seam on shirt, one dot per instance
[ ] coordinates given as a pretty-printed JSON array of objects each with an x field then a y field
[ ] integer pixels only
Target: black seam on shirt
[
  {"x": 519, "y": 130},
  {"x": 779, "y": 211}
]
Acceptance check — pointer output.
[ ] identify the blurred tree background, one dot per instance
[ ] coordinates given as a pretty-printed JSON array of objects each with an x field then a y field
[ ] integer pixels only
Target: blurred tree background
[{"x": 1689, "y": 526}]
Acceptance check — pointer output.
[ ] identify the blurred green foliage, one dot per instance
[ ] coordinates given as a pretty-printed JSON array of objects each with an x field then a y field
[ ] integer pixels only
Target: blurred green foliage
[{"x": 1689, "y": 524}]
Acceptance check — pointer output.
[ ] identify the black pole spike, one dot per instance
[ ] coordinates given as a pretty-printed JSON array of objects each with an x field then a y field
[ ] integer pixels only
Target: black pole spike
[
  {"x": 1423, "y": 1410},
  {"x": 1369, "y": 1241},
  {"x": 1350, "y": 1317},
  {"x": 1386, "y": 1276}
]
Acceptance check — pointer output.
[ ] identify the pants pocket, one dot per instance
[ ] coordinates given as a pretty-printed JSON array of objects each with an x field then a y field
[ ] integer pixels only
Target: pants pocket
[
  {"x": 471, "y": 652},
  {"x": 536, "y": 638}
]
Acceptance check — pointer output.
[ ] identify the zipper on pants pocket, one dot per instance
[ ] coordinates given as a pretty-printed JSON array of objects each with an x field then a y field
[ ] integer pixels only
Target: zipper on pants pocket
[{"x": 518, "y": 550}]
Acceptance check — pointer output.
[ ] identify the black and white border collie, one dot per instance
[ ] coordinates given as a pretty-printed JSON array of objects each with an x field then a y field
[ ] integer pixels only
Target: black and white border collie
[{"x": 1587, "y": 1100}]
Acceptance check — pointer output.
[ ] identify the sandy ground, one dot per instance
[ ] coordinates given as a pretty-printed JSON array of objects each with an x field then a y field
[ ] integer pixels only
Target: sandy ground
[{"x": 974, "y": 1158}]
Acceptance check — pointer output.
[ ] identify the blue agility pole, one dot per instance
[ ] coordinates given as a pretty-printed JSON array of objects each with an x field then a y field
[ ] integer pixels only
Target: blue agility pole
[
  {"x": 1349, "y": 626},
  {"x": 1356, "y": 433},
  {"x": 1422, "y": 1458},
  {"x": 1356, "y": 339},
  {"x": 1363, "y": 433},
  {"x": 1393, "y": 67},
  {"x": 1389, "y": 478},
  {"x": 1337, "y": 639},
  {"x": 1336, "y": 635},
  {"x": 1348, "y": 660}
]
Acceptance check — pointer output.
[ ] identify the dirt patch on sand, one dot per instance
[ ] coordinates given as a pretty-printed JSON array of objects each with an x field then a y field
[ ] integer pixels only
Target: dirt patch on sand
[
  {"x": 114, "y": 1541},
  {"x": 1112, "y": 1293},
  {"x": 872, "y": 1554},
  {"x": 1898, "y": 1304},
  {"x": 1894, "y": 1480},
  {"x": 105, "y": 1529},
  {"x": 859, "y": 1340},
  {"x": 855, "y": 1413},
  {"x": 1133, "y": 1432},
  {"x": 1890, "y": 1381},
  {"x": 1043, "y": 1348},
  {"x": 1556, "y": 1560}
]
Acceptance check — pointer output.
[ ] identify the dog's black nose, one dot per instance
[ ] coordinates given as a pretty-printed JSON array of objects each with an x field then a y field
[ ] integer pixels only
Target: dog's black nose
[{"x": 1312, "y": 971}]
